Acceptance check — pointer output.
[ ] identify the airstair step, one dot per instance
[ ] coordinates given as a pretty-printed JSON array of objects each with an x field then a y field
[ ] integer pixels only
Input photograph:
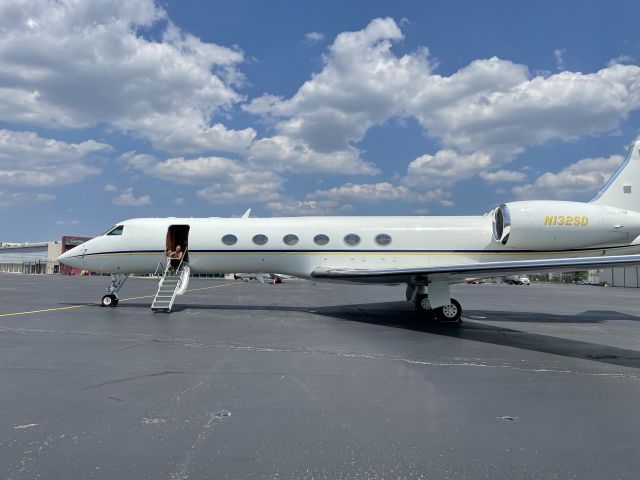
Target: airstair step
[{"x": 166, "y": 292}]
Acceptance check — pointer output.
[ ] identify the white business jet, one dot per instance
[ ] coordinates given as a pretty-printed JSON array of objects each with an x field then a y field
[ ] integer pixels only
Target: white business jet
[{"x": 428, "y": 254}]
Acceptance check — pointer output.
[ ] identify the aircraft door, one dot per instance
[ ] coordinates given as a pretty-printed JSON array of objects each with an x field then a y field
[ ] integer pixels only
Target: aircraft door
[{"x": 178, "y": 235}]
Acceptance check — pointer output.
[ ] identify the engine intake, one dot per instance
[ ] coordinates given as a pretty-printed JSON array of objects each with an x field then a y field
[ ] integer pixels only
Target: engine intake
[{"x": 502, "y": 224}]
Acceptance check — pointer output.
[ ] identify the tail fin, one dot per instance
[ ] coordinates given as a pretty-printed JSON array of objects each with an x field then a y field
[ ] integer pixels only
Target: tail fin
[{"x": 622, "y": 190}]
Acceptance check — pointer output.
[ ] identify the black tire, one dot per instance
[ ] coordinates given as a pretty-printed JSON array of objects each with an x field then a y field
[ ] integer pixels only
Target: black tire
[
  {"x": 421, "y": 303},
  {"x": 109, "y": 300},
  {"x": 115, "y": 302},
  {"x": 449, "y": 313}
]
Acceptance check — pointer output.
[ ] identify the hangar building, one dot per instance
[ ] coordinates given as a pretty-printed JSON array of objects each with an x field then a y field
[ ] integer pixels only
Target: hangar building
[
  {"x": 38, "y": 257},
  {"x": 621, "y": 277}
]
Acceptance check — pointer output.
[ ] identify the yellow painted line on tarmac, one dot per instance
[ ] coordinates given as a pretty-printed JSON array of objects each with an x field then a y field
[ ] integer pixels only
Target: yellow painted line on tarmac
[
  {"x": 44, "y": 310},
  {"x": 94, "y": 304}
]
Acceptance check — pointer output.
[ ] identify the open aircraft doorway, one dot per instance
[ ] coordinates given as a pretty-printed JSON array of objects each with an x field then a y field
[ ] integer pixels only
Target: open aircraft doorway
[{"x": 178, "y": 235}]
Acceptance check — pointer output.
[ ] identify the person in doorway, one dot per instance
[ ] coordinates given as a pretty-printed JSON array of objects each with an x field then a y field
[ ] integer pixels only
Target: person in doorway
[{"x": 176, "y": 257}]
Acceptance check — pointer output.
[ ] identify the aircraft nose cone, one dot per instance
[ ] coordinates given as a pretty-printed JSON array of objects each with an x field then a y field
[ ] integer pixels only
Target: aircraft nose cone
[
  {"x": 63, "y": 258},
  {"x": 70, "y": 257}
]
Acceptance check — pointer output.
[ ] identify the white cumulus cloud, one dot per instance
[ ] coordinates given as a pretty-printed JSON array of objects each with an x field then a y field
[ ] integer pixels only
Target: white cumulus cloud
[
  {"x": 225, "y": 180},
  {"x": 445, "y": 167},
  {"x": 26, "y": 159},
  {"x": 313, "y": 38},
  {"x": 296, "y": 208},
  {"x": 128, "y": 199},
  {"x": 503, "y": 176},
  {"x": 367, "y": 193},
  {"x": 585, "y": 176},
  {"x": 285, "y": 154},
  {"x": 18, "y": 199},
  {"x": 244, "y": 186},
  {"x": 75, "y": 64},
  {"x": 483, "y": 115},
  {"x": 559, "y": 54},
  {"x": 362, "y": 84}
]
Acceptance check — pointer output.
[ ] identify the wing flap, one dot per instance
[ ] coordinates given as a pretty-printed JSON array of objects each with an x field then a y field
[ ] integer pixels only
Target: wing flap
[{"x": 455, "y": 273}]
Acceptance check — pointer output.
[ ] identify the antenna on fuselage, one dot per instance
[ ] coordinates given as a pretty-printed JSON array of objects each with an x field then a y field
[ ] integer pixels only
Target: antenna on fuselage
[{"x": 246, "y": 214}]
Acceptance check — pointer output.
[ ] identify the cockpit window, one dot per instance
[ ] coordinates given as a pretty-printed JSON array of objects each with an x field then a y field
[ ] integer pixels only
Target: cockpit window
[{"x": 117, "y": 230}]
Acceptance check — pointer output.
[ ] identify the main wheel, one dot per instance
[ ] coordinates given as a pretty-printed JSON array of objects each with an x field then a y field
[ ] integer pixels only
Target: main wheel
[
  {"x": 109, "y": 300},
  {"x": 449, "y": 313},
  {"x": 422, "y": 304}
]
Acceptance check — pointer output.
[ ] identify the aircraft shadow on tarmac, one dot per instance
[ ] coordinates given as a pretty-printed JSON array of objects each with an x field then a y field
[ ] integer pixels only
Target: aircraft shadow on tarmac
[{"x": 401, "y": 315}]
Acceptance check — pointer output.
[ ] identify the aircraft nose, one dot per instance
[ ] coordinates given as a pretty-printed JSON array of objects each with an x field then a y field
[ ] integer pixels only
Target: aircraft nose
[{"x": 72, "y": 257}]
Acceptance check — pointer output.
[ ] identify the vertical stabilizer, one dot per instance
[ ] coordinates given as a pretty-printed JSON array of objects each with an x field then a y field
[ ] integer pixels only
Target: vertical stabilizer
[{"x": 623, "y": 188}]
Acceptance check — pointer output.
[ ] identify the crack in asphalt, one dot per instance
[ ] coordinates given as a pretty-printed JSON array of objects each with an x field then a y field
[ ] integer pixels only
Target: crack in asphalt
[{"x": 192, "y": 343}]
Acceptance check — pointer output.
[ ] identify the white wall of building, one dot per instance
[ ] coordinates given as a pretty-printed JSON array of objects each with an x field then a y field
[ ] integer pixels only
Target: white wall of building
[
  {"x": 621, "y": 277},
  {"x": 29, "y": 257}
]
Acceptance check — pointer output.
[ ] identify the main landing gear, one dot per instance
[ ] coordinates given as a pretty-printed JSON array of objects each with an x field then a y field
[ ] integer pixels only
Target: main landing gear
[
  {"x": 111, "y": 298},
  {"x": 450, "y": 313},
  {"x": 434, "y": 301}
]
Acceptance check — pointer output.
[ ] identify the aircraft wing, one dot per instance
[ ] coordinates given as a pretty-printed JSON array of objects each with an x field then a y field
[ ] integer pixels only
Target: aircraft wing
[{"x": 460, "y": 273}]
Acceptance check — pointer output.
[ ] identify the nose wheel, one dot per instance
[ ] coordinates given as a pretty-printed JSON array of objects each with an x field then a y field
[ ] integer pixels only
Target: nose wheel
[
  {"x": 109, "y": 300},
  {"x": 450, "y": 313}
]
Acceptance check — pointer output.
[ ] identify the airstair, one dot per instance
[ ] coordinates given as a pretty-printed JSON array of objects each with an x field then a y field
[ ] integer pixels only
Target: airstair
[{"x": 172, "y": 283}]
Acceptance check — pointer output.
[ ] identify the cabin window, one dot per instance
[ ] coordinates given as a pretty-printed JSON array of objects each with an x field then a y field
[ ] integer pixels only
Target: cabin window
[
  {"x": 352, "y": 239},
  {"x": 229, "y": 239},
  {"x": 260, "y": 239},
  {"x": 321, "y": 239},
  {"x": 290, "y": 239},
  {"x": 117, "y": 231},
  {"x": 383, "y": 239}
]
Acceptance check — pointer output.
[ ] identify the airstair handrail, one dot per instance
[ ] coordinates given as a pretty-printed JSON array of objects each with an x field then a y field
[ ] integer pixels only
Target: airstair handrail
[
  {"x": 186, "y": 249},
  {"x": 163, "y": 256}
]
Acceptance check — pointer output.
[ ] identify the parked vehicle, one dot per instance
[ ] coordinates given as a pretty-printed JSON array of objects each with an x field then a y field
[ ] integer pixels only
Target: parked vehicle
[{"x": 517, "y": 280}]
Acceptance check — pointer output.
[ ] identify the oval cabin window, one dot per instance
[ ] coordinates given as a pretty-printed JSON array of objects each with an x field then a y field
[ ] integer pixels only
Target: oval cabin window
[
  {"x": 260, "y": 239},
  {"x": 229, "y": 239},
  {"x": 290, "y": 239},
  {"x": 383, "y": 239},
  {"x": 352, "y": 239},
  {"x": 321, "y": 239}
]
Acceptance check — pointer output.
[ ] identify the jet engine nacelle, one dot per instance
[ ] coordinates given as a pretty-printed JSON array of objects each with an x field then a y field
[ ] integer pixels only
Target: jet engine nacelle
[{"x": 551, "y": 225}]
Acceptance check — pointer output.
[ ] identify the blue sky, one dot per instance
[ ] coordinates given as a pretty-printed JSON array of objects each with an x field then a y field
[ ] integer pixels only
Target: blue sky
[{"x": 114, "y": 109}]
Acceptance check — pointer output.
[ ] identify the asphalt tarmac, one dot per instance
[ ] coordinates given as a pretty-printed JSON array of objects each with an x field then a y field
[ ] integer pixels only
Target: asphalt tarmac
[{"x": 316, "y": 381}]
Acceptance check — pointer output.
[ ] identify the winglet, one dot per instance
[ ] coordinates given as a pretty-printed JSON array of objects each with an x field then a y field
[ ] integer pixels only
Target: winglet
[{"x": 246, "y": 214}]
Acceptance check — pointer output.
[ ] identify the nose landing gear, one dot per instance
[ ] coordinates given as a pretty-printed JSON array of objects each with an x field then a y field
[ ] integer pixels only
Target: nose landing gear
[{"x": 111, "y": 298}]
